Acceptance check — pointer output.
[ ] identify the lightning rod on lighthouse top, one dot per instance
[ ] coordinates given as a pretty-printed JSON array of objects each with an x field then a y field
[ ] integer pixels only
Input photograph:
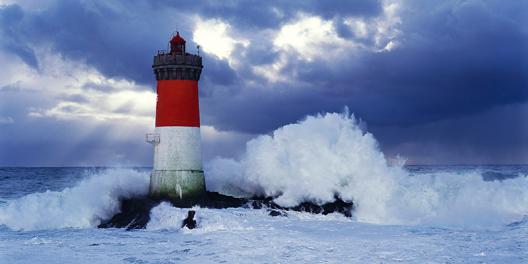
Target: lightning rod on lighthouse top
[{"x": 177, "y": 173}]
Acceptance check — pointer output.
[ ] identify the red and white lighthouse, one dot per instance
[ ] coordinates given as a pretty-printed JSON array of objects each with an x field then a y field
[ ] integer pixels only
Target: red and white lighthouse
[{"x": 177, "y": 171}]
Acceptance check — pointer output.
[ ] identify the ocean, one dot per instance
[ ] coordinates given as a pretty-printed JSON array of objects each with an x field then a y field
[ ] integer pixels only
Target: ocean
[
  {"x": 49, "y": 215},
  {"x": 402, "y": 214}
]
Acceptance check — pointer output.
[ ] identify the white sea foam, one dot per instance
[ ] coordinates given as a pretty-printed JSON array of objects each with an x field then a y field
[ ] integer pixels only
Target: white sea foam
[
  {"x": 93, "y": 199},
  {"x": 165, "y": 216},
  {"x": 330, "y": 154}
]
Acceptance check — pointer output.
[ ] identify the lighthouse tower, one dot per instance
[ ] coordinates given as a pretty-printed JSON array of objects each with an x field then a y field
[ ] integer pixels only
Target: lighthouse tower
[{"x": 177, "y": 174}]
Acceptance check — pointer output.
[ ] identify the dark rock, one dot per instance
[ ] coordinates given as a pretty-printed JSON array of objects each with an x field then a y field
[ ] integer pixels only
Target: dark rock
[
  {"x": 256, "y": 205},
  {"x": 277, "y": 213},
  {"x": 189, "y": 222},
  {"x": 220, "y": 201},
  {"x": 337, "y": 206},
  {"x": 135, "y": 212}
]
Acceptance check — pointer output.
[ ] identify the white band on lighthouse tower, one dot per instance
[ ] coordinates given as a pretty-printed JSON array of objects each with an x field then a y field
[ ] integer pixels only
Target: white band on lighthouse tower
[
  {"x": 177, "y": 172},
  {"x": 179, "y": 148}
]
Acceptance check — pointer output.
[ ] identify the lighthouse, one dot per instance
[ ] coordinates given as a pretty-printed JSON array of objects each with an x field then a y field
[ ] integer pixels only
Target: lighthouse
[{"x": 177, "y": 173}]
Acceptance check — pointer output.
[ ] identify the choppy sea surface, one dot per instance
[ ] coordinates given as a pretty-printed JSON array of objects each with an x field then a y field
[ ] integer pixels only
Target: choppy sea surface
[
  {"x": 445, "y": 214},
  {"x": 409, "y": 214}
]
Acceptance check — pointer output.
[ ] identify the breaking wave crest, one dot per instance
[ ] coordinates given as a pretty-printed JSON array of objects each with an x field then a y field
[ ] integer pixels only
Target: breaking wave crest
[
  {"x": 95, "y": 198},
  {"x": 314, "y": 160},
  {"x": 327, "y": 155}
]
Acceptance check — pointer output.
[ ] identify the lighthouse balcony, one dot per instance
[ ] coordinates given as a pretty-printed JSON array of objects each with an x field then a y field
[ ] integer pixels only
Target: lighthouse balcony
[
  {"x": 176, "y": 59},
  {"x": 152, "y": 138}
]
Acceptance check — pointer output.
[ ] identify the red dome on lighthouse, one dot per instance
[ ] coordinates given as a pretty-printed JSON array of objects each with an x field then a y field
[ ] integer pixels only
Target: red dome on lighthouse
[
  {"x": 177, "y": 40},
  {"x": 177, "y": 45}
]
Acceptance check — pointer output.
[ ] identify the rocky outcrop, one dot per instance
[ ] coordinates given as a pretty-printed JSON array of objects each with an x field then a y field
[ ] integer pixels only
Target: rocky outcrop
[{"x": 135, "y": 212}]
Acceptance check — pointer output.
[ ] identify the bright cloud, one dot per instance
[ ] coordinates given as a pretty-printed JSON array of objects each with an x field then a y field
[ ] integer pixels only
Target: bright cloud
[
  {"x": 125, "y": 105},
  {"x": 383, "y": 30},
  {"x": 272, "y": 72},
  {"x": 215, "y": 37},
  {"x": 310, "y": 37},
  {"x": 77, "y": 91}
]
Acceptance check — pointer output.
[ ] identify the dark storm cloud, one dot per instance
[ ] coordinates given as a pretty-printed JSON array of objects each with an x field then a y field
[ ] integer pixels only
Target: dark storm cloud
[
  {"x": 454, "y": 60},
  {"x": 10, "y": 19},
  {"x": 116, "y": 42},
  {"x": 119, "y": 38},
  {"x": 217, "y": 72},
  {"x": 495, "y": 136},
  {"x": 425, "y": 83},
  {"x": 271, "y": 14},
  {"x": 102, "y": 36}
]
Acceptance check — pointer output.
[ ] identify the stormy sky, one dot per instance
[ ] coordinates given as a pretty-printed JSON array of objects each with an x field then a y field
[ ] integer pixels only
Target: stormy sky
[{"x": 436, "y": 82}]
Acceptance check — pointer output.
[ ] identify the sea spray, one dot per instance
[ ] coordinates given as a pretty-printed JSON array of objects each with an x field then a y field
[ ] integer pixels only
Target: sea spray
[
  {"x": 84, "y": 205},
  {"x": 312, "y": 160},
  {"x": 462, "y": 199},
  {"x": 330, "y": 154}
]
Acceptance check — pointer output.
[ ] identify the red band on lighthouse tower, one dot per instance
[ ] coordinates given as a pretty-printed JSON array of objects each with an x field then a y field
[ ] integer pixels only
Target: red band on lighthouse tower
[{"x": 177, "y": 103}]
